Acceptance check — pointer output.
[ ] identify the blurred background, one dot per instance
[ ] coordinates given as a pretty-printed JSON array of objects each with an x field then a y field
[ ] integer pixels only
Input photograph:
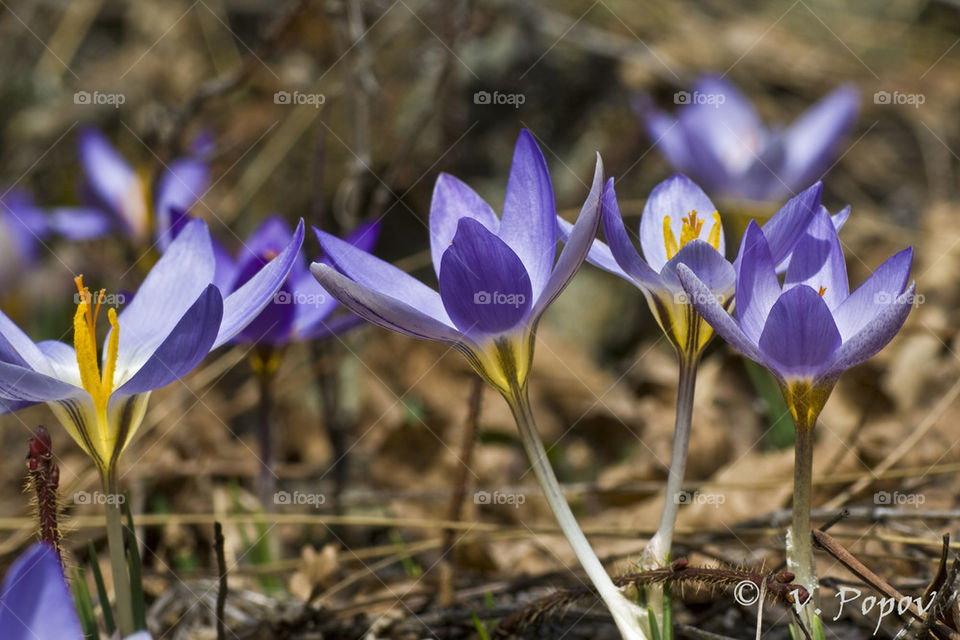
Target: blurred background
[{"x": 345, "y": 112}]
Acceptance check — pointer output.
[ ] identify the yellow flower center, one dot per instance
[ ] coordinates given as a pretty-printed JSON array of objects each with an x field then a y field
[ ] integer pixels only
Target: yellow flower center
[
  {"x": 98, "y": 384},
  {"x": 692, "y": 225}
]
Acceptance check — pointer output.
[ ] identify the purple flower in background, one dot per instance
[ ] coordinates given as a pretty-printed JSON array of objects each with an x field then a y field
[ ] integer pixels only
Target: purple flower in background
[
  {"x": 175, "y": 319},
  {"x": 496, "y": 275},
  {"x": 717, "y": 138},
  {"x": 681, "y": 226},
  {"x": 810, "y": 329},
  {"x": 301, "y": 309},
  {"x": 125, "y": 195},
  {"x": 35, "y": 603}
]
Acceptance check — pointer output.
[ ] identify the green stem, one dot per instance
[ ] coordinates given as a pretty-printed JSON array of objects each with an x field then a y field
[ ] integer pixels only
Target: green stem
[
  {"x": 118, "y": 556},
  {"x": 800, "y": 558},
  {"x": 625, "y": 613}
]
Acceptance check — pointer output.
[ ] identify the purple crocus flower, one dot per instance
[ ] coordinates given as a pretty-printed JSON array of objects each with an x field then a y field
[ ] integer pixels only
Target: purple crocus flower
[
  {"x": 496, "y": 275},
  {"x": 35, "y": 603},
  {"x": 810, "y": 329},
  {"x": 175, "y": 319},
  {"x": 680, "y": 226},
  {"x": 719, "y": 140},
  {"x": 301, "y": 309},
  {"x": 126, "y": 195}
]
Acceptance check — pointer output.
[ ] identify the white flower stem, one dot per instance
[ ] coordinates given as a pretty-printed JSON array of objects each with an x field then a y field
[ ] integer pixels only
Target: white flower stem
[
  {"x": 118, "y": 557},
  {"x": 625, "y": 613}
]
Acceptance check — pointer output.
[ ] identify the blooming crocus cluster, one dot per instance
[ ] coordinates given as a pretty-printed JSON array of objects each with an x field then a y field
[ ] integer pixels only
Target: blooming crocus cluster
[
  {"x": 128, "y": 198},
  {"x": 35, "y": 603},
  {"x": 496, "y": 275},
  {"x": 806, "y": 331},
  {"x": 718, "y": 139}
]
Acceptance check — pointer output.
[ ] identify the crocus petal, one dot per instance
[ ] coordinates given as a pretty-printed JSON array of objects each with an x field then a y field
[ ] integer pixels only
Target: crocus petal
[
  {"x": 676, "y": 197},
  {"x": 620, "y": 245},
  {"x": 664, "y": 132},
  {"x": 812, "y": 139},
  {"x": 706, "y": 263},
  {"x": 599, "y": 254},
  {"x": 483, "y": 283},
  {"x": 79, "y": 223},
  {"x": 26, "y": 385},
  {"x": 800, "y": 336},
  {"x": 757, "y": 284},
  {"x": 382, "y": 309},
  {"x": 246, "y": 303},
  {"x": 364, "y": 237},
  {"x": 225, "y": 271},
  {"x": 36, "y": 603},
  {"x": 817, "y": 262},
  {"x": 577, "y": 244},
  {"x": 716, "y": 316},
  {"x": 838, "y": 220},
  {"x": 881, "y": 289},
  {"x": 874, "y": 336},
  {"x": 528, "y": 224},
  {"x": 62, "y": 361},
  {"x": 181, "y": 350},
  {"x": 180, "y": 186},
  {"x": 312, "y": 304},
  {"x": 784, "y": 229},
  {"x": 113, "y": 180},
  {"x": 382, "y": 277},
  {"x": 452, "y": 200},
  {"x": 16, "y": 347},
  {"x": 175, "y": 282}
]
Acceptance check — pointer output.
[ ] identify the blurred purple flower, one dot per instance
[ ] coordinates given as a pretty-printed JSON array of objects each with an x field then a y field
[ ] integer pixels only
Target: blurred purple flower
[
  {"x": 35, "y": 603},
  {"x": 175, "y": 319},
  {"x": 810, "y": 329},
  {"x": 496, "y": 275},
  {"x": 718, "y": 139},
  {"x": 301, "y": 309},
  {"x": 125, "y": 195}
]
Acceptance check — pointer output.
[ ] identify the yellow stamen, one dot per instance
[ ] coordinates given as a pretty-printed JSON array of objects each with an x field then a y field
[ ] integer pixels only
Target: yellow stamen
[
  {"x": 98, "y": 385},
  {"x": 692, "y": 226},
  {"x": 822, "y": 291}
]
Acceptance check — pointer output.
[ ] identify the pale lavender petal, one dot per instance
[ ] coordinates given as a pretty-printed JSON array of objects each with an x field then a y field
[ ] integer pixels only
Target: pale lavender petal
[
  {"x": 812, "y": 140},
  {"x": 382, "y": 309},
  {"x": 817, "y": 262},
  {"x": 757, "y": 284},
  {"x": 880, "y": 290},
  {"x": 180, "y": 186},
  {"x": 800, "y": 337},
  {"x": 710, "y": 268},
  {"x": 599, "y": 254},
  {"x": 528, "y": 224},
  {"x": 452, "y": 200},
  {"x": 677, "y": 197},
  {"x": 36, "y": 603}
]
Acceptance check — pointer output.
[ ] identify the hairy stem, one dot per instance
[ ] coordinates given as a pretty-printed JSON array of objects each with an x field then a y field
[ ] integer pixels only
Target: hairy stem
[
  {"x": 625, "y": 613},
  {"x": 118, "y": 556}
]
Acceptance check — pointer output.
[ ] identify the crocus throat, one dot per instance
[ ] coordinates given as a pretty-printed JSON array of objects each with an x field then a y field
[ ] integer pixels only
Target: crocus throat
[
  {"x": 692, "y": 225},
  {"x": 98, "y": 384}
]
